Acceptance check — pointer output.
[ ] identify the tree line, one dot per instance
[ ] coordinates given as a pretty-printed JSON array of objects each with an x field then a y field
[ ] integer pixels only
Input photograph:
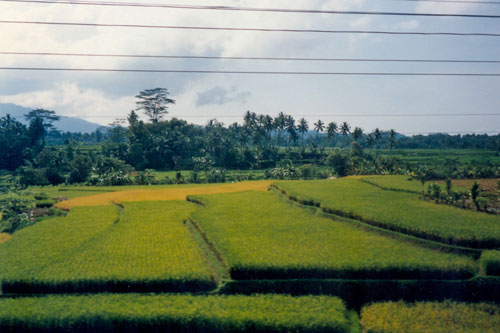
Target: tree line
[{"x": 260, "y": 142}]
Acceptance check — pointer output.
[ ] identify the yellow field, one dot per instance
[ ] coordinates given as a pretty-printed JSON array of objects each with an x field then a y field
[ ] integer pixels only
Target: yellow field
[
  {"x": 175, "y": 192},
  {"x": 4, "y": 237}
]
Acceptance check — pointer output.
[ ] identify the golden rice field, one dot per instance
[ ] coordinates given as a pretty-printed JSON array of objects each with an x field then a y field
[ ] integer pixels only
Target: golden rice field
[
  {"x": 4, "y": 237},
  {"x": 174, "y": 192}
]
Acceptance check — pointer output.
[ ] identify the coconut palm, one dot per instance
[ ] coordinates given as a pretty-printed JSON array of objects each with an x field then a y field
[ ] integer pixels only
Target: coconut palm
[
  {"x": 280, "y": 125},
  {"x": 331, "y": 130},
  {"x": 357, "y": 133},
  {"x": 302, "y": 127}
]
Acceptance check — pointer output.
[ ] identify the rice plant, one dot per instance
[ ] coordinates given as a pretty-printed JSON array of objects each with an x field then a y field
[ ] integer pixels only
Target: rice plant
[
  {"x": 403, "y": 212},
  {"x": 261, "y": 237},
  {"x": 430, "y": 317}
]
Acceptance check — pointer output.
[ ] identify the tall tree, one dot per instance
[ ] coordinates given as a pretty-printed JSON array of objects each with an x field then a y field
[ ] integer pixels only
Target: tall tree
[
  {"x": 331, "y": 130},
  {"x": 357, "y": 133},
  {"x": 14, "y": 140},
  {"x": 154, "y": 103},
  {"x": 345, "y": 129},
  {"x": 302, "y": 127},
  {"x": 40, "y": 122},
  {"x": 392, "y": 139},
  {"x": 280, "y": 125}
]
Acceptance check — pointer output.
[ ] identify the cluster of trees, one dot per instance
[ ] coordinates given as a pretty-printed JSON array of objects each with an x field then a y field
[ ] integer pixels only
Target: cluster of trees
[
  {"x": 472, "y": 199},
  {"x": 260, "y": 142}
]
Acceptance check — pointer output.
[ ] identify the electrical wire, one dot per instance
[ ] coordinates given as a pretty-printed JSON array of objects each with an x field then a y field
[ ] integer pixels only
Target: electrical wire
[
  {"x": 249, "y": 9},
  {"x": 187, "y": 71},
  {"x": 421, "y": 33},
  {"x": 481, "y": 61}
]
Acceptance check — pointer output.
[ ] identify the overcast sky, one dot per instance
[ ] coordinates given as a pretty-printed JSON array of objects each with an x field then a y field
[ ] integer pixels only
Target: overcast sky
[{"x": 201, "y": 97}]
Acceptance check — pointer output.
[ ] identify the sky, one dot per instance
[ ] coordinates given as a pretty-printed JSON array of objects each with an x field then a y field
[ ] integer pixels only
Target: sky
[{"x": 103, "y": 97}]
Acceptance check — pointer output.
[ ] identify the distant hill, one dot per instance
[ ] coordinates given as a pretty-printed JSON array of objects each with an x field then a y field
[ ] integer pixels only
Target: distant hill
[{"x": 65, "y": 124}]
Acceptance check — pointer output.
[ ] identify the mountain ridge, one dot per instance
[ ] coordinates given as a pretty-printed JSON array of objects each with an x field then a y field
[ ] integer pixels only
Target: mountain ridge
[{"x": 65, "y": 124}]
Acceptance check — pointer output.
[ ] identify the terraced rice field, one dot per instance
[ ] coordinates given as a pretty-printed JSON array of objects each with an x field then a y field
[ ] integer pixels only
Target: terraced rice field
[
  {"x": 399, "y": 211},
  {"x": 94, "y": 248},
  {"x": 105, "y": 313},
  {"x": 173, "y": 192},
  {"x": 115, "y": 243},
  {"x": 430, "y": 317},
  {"x": 262, "y": 237}
]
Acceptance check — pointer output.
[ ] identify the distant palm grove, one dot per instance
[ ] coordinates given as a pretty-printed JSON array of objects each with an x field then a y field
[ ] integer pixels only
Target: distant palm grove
[{"x": 283, "y": 146}]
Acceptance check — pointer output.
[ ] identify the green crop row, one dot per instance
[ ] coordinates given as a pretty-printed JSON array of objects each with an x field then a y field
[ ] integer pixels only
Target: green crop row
[
  {"x": 261, "y": 237},
  {"x": 399, "y": 211},
  {"x": 430, "y": 317},
  {"x": 490, "y": 262},
  {"x": 132, "y": 312},
  {"x": 94, "y": 249}
]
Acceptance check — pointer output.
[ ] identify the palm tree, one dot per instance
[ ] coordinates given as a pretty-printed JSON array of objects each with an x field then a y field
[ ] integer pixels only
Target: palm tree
[
  {"x": 268, "y": 127},
  {"x": 302, "y": 127},
  {"x": 331, "y": 130},
  {"x": 392, "y": 139},
  {"x": 319, "y": 127},
  {"x": 357, "y": 133},
  {"x": 345, "y": 129},
  {"x": 291, "y": 129},
  {"x": 280, "y": 124}
]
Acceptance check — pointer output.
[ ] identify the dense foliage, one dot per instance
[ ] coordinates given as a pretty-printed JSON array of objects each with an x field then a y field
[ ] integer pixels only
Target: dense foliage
[{"x": 43, "y": 156}]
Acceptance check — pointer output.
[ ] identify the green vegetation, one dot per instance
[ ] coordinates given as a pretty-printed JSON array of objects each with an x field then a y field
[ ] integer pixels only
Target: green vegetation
[
  {"x": 96, "y": 249},
  {"x": 430, "y": 317},
  {"x": 490, "y": 262},
  {"x": 104, "y": 313},
  {"x": 262, "y": 237},
  {"x": 399, "y": 211}
]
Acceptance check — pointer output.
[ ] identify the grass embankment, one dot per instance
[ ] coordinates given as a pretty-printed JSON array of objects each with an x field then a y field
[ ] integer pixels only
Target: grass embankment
[
  {"x": 399, "y": 211},
  {"x": 93, "y": 249},
  {"x": 172, "y": 192},
  {"x": 430, "y": 317},
  {"x": 490, "y": 262},
  {"x": 105, "y": 313},
  {"x": 262, "y": 237}
]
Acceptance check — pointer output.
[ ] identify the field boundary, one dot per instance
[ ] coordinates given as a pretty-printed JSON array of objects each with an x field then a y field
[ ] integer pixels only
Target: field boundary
[
  {"x": 316, "y": 209},
  {"x": 363, "y": 180},
  {"x": 213, "y": 259}
]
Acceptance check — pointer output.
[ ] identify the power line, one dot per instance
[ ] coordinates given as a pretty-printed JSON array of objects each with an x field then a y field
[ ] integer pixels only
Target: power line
[
  {"x": 477, "y": 34},
  {"x": 249, "y": 9},
  {"x": 182, "y": 71},
  {"x": 454, "y": 1},
  {"x": 248, "y": 58}
]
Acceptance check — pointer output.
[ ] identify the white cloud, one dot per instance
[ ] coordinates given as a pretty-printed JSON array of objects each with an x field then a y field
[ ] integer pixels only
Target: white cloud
[{"x": 67, "y": 99}]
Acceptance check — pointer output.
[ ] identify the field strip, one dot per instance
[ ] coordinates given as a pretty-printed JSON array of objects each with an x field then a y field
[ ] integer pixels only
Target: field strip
[
  {"x": 443, "y": 247},
  {"x": 175, "y": 192},
  {"x": 176, "y": 313},
  {"x": 406, "y": 213},
  {"x": 214, "y": 259}
]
